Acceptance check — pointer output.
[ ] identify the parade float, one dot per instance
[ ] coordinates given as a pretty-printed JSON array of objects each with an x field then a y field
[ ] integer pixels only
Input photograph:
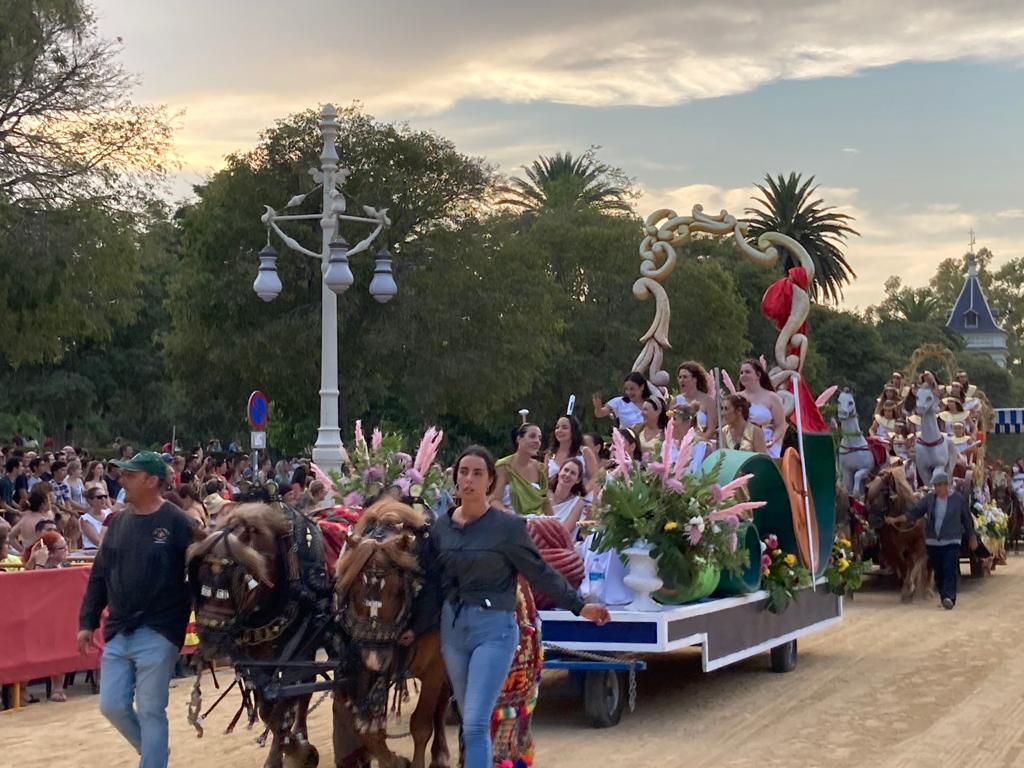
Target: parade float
[{"x": 739, "y": 558}]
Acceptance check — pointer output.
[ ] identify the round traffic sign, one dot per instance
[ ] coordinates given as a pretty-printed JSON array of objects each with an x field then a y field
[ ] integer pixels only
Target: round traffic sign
[{"x": 257, "y": 411}]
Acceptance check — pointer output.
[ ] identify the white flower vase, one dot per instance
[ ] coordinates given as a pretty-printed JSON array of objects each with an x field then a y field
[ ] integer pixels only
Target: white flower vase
[{"x": 642, "y": 577}]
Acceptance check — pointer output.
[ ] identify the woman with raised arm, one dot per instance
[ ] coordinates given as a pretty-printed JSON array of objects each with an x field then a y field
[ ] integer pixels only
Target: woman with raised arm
[
  {"x": 766, "y": 409},
  {"x": 625, "y": 409}
]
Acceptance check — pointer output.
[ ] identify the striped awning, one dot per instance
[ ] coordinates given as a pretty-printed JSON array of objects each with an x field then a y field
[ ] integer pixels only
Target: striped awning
[{"x": 1008, "y": 421}]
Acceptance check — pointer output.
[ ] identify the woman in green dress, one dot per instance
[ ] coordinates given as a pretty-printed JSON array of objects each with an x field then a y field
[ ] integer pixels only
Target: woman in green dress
[{"x": 522, "y": 485}]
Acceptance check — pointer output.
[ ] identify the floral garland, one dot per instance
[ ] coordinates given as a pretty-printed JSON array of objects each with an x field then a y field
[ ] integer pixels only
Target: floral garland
[
  {"x": 688, "y": 519},
  {"x": 844, "y": 573},
  {"x": 782, "y": 575},
  {"x": 380, "y": 466},
  {"x": 990, "y": 521}
]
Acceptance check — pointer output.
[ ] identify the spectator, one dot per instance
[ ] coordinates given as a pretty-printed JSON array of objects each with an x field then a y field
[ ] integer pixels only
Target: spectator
[
  {"x": 24, "y": 534},
  {"x": 61, "y": 489},
  {"x": 92, "y": 520},
  {"x": 76, "y": 486},
  {"x": 125, "y": 452},
  {"x": 112, "y": 479},
  {"x": 36, "y": 468},
  {"x": 50, "y": 550},
  {"x": 214, "y": 500},
  {"x": 8, "y": 489},
  {"x": 8, "y": 560},
  {"x": 192, "y": 505},
  {"x": 177, "y": 469},
  {"x": 148, "y": 608},
  {"x": 94, "y": 476}
]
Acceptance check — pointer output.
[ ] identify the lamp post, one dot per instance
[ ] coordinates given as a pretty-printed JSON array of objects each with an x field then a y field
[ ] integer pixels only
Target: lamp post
[{"x": 337, "y": 276}]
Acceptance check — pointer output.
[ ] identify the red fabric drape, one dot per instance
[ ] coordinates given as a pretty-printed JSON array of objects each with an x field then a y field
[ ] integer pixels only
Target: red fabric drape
[{"x": 39, "y": 624}]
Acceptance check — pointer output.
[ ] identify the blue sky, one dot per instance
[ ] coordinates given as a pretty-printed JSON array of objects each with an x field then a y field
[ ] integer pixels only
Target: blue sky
[{"x": 910, "y": 115}]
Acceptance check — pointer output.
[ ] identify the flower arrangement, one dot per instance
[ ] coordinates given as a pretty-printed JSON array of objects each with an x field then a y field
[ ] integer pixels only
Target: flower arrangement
[
  {"x": 688, "y": 519},
  {"x": 990, "y": 521},
  {"x": 379, "y": 466},
  {"x": 782, "y": 575},
  {"x": 843, "y": 573}
]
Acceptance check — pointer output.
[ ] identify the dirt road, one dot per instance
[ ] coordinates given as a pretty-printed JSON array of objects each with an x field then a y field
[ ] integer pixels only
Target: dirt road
[{"x": 893, "y": 686}]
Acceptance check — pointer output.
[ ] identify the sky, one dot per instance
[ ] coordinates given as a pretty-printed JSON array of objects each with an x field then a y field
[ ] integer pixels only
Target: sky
[{"x": 909, "y": 114}]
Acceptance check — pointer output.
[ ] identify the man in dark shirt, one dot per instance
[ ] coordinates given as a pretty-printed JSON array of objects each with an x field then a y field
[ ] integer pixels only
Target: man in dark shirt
[
  {"x": 111, "y": 478},
  {"x": 139, "y": 575}
]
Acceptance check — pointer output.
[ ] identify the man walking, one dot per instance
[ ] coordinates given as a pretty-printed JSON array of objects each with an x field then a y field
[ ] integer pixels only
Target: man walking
[
  {"x": 139, "y": 574},
  {"x": 949, "y": 519}
]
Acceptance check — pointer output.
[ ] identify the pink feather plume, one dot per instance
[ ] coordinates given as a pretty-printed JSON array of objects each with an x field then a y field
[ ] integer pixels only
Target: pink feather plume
[
  {"x": 666, "y": 445},
  {"x": 322, "y": 476},
  {"x": 731, "y": 487},
  {"x": 728, "y": 382},
  {"x": 712, "y": 389},
  {"x": 685, "y": 452},
  {"x": 825, "y": 396},
  {"x": 736, "y": 510},
  {"x": 427, "y": 450}
]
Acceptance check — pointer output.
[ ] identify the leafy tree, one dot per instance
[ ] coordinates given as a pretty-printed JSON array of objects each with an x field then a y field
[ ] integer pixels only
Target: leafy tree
[
  {"x": 468, "y": 329},
  {"x": 915, "y": 305},
  {"x": 788, "y": 206},
  {"x": 563, "y": 183}
]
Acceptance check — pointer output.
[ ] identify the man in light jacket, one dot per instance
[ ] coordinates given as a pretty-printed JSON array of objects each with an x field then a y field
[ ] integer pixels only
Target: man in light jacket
[{"x": 949, "y": 520}]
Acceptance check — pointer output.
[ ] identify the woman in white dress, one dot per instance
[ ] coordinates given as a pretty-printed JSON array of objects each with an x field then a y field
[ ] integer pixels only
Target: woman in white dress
[
  {"x": 693, "y": 388},
  {"x": 567, "y": 443},
  {"x": 625, "y": 409},
  {"x": 884, "y": 425},
  {"x": 567, "y": 491},
  {"x": 766, "y": 409}
]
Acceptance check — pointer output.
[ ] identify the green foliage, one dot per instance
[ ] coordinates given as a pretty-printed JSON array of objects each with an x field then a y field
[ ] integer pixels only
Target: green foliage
[
  {"x": 781, "y": 576},
  {"x": 681, "y": 515},
  {"x": 844, "y": 572},
  {"x": 788, "y": 206}
]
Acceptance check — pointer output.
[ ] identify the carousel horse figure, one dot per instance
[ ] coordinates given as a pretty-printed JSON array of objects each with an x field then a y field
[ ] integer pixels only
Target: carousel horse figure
[
  {"x": 933, "y": 449},
  {"x": 858, "y": 457},
  {"x": 901, "y": 548},
  {"x": 257, "y": 582},
  {"x": 378, "y": 580}
]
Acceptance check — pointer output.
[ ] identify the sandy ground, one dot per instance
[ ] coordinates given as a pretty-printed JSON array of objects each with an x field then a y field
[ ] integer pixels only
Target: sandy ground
[{"x": 894, "y": 685}]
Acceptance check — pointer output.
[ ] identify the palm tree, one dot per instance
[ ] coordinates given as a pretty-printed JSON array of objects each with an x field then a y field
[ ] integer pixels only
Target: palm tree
[
  {"x": 788, "y": 207},
  {"x": 916, "y": 305},
  {"x": 564, "y": 182}
]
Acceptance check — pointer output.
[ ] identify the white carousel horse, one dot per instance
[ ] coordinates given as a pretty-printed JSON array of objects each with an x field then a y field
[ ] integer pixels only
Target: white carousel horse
[
  {"x": 933, "y": 449},
  {"x": 856, "y": 459}
]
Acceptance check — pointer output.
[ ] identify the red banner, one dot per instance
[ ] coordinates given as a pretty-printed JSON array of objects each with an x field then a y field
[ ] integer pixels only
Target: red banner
[{"x": 39, "y": 624}]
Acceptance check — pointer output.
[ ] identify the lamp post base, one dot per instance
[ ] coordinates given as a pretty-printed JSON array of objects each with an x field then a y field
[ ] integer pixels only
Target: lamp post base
[{"x": 329, "y": 456}]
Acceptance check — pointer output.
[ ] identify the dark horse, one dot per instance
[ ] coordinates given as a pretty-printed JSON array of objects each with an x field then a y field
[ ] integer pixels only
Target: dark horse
[
  {"x": 901, "y": 548},
  {"x": 255, "y": 583},
  {"x": 378, "y": 579}
]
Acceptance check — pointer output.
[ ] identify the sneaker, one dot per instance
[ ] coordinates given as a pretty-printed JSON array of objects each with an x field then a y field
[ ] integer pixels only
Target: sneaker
[{"x": 947, "y": 604}]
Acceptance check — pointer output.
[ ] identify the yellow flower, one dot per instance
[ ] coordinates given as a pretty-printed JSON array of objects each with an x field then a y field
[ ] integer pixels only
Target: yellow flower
[
  {"x": 845, "y": 544},
  {"x": 671, "y": 526},
  {"x": 790, "y": 560},
  {"x": 843, "y": 564}
]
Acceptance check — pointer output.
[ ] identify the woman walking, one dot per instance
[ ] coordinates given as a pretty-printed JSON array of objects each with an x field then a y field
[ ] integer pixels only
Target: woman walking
[{"x": 480, "y": 552}]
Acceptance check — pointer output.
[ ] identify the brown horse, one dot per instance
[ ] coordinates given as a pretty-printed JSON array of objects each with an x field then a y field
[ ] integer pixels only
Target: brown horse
[
  {"x": 1009, "y": 502},
  {"x": 241, "y": 577},
  {"x": 378, "y": 578},
  {"x": 902, "y": 548}
]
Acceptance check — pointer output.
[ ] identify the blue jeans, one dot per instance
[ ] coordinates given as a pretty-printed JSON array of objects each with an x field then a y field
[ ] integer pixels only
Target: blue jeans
[
  {"x": 478, "y": 647},
  {"x": 135, "y": 678},
  {"x": 945, "y": 562}
]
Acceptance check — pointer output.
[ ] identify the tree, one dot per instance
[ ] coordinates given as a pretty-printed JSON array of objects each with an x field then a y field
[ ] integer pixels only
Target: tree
[
  {"x": 564, "y": 182},
  {"x": 68, "y": 128},
  {"x": 788, "y": 206},
  {"x": 467, "y": 332},
  {"x": 915, "y": 305}
]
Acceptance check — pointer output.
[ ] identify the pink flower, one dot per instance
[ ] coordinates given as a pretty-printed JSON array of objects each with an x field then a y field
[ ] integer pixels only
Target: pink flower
[
  {"x": 733, "y": 541},
  {"x": 694, "y": 535},
  {"x": 673, "y": 485},
  {"x": 360, "y": 437},
  {"x": 766, "y": 562},
  {"x": 377, "y": 439},
  {"x": 354, "y": 499},
  {"x": 404, "y": 459},
  {"x": 658, "y": 469},
  {"x": 403, "y": 485},
  {"x": 773, "y": 541},
  {"x": 506, "y": 763}
]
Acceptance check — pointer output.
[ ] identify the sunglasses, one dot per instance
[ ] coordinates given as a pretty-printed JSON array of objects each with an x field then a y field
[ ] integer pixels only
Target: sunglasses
[{"x": 94, "y": 498}]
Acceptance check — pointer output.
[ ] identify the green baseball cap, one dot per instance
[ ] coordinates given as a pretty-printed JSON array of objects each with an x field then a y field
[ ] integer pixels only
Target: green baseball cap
[{"x": 144, "y": 461}]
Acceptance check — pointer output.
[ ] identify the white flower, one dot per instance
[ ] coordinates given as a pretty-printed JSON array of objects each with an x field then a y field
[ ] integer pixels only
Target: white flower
[{"x": 697, "y": 522}]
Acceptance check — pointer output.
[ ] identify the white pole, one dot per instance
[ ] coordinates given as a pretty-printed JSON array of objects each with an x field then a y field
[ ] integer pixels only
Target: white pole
[
  {"x": 812, "y": 544},
  {"x": 327, "y": 451}
]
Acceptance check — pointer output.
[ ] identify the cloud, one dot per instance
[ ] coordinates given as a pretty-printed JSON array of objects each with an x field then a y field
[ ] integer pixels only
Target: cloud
[
  {"x": 850, "y": 151},
  {"x": 1012, "y": 213}
]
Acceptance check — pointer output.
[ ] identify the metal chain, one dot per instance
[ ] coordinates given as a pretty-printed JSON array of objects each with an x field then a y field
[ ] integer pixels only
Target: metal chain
[
  {"x": 319, "y": 701},
  {"x": 588, "y": 656}
]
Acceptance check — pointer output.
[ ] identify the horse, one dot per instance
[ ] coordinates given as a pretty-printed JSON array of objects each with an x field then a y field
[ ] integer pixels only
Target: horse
[
  {"x": 901, "y": 548},
  {"x": 858, "y": 459},
  {"x": 933, "y": 449},
  {"x": 377, "y": 580},
  {"x": 250, "y": 604},
  {"x": 1010, "y": 503}
]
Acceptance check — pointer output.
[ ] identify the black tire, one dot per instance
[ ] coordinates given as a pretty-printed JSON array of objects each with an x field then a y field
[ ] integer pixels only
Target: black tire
[
  {"x": 604, "y": 697},
  {"x": 784, "y": 657}
]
